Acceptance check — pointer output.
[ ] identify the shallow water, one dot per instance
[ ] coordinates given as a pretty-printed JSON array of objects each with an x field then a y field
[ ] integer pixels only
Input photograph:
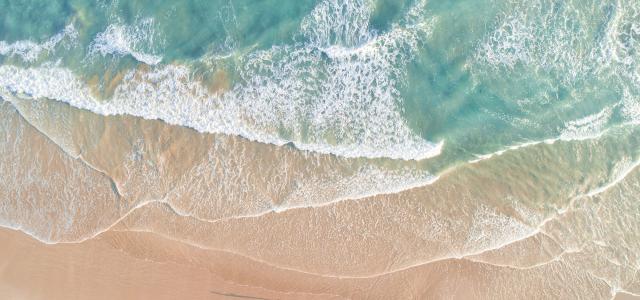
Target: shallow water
[{"x": 365, "y": 140}]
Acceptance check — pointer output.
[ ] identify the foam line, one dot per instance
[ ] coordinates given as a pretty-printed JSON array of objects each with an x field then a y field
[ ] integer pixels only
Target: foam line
[{"x": 30, "y": 51}]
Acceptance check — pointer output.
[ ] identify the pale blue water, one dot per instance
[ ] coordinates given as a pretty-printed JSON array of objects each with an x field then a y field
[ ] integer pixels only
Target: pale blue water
[
  {"x": 438, "y": 82},
  {"x": 369, "y": 119}
]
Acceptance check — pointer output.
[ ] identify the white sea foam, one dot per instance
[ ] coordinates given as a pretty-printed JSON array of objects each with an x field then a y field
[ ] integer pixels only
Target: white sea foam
[
  {"x": 510, "y": 148},
  {"x": 575, "y": 41},
  {"x": 120, "y": 40},
  {"x": 30, "y": 51},
  {"x": 346, "y": 104},
  {"x": 631, "y": 108},
  {"x": 339, "y": 22},
  {"x": 541, "y": 35},
  {"x": 588, "y": 127}
]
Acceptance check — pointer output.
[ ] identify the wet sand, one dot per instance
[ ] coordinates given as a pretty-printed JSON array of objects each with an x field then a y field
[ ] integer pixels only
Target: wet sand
[
  {"x": 97, "y": 270},
  {"x": 143, "y": 266},
  {"x": 137, "y": 208}
]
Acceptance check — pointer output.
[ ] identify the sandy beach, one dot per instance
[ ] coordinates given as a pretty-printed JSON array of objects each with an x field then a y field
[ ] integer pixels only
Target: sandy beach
[{"x": 411, "y": 244}]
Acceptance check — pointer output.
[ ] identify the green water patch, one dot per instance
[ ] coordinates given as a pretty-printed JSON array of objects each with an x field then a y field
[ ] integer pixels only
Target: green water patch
[{"x": 35, "y": 20}]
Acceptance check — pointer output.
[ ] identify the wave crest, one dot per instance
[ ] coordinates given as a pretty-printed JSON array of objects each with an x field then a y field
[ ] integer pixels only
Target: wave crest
[
  {"x": 30, "y": 51},
  {"x": 122, "y": 40}
]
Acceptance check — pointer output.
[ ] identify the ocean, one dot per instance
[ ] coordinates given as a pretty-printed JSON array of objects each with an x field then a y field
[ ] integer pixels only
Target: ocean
[{"x": 350, "y": 148}]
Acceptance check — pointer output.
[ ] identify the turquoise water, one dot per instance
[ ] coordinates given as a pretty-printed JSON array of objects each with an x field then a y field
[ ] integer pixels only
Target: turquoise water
[
  {"x": 440, "y": 82},
  {"x": 348, "y": 140}
]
